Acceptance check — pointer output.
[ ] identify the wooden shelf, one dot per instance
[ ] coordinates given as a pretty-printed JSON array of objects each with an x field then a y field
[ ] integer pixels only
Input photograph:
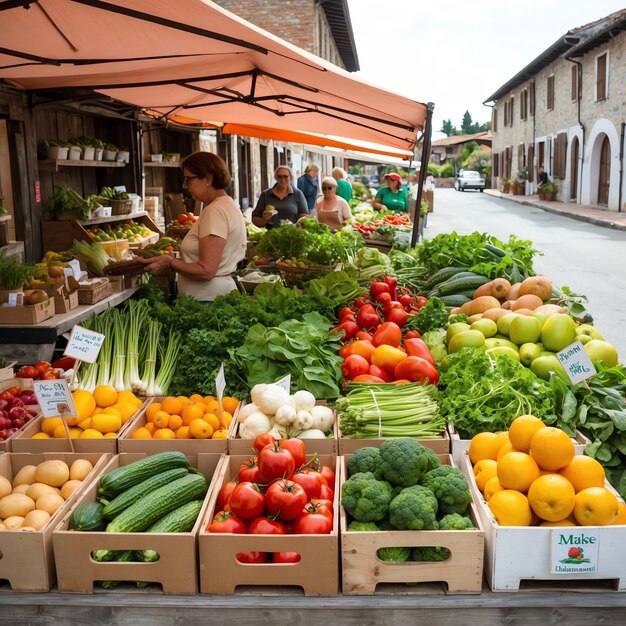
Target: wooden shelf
[
  {"x": 111, "y": 218},
  {"x": 161, "y": 164},
  {"x": 54, "y": 165}
]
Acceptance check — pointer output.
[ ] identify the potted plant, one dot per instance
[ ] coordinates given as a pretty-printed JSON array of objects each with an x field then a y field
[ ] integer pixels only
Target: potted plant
[
  {"x": 110, "y": 152},
  {"x": 549, "y": 190},
  {"x": 506, "y": 185},
  {"x": 171, "y": 157},
  {"x": 520, "y": 182},
  {"x": 123, "y": 155},
  {"x": 57, "y": 150},
  {"x": 89, "y": 151},
  {"x": 75, "y": 152},
  {"x": 66, "y": 203},
  {"x": 98, "y": 145}
]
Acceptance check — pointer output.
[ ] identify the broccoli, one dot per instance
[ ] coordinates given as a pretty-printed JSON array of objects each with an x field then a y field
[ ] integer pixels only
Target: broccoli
[
  {"x": 366, "y": 460},
  {"x": 450, "y": 488},
  {"x": 433, "y": 459},
  {"x": 365, "y": 498},
  {"x": 454, "y": 521},
  {"x": 394, "y": 555},
  {"x": 362, "y": 527},
  {"x": 414, "y": 509},
  {"x": 404, "y": 460},
  {"x": 430, "y": 553},
  {"x": 396, "y": 491},
  {"x": 384, "y": 524}
]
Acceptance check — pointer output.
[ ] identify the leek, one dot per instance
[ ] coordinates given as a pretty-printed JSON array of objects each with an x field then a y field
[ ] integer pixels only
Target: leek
[
  {"x": 137, "y": 312},
  {"x": 147, "y": 386},
  {"x": 167, "y": 364},
  {"x": 93, "y": 255},
  {"x": 120, "y": 324},
  {"x": 105, "y": 326}
]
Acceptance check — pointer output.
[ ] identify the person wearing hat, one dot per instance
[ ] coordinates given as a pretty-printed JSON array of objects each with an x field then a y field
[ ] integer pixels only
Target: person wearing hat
[{"x": 393, "y": 197}]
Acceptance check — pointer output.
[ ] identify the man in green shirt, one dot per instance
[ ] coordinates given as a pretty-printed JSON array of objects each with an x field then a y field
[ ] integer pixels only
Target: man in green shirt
[
  {"x": 394, "y": 197},
  {"x": 344, "y": 188}
]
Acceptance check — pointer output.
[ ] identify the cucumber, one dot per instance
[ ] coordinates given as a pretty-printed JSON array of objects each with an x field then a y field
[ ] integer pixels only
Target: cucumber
[
  {"x": 88, "y": 517},
  {"x": 146, "y": 510},
  {"x": 123, "y": 556},
  {"x": 122, "y": 478},
  {"x": 128, "y": 497},
  {"x": 441, "y": 275},
  {"x": 455, "y": 299},
  {"x": 462, "y": 282}
]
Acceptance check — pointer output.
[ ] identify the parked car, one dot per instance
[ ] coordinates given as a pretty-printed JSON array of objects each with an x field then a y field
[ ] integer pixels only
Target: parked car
[{"x": 469, "y": 179}]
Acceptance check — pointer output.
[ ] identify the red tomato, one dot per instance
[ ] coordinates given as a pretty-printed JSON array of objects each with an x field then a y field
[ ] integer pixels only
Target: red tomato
[
  {"x": 50, "y": 375},
  {"x": 419, "y": 302},
  {"x": 329, "y": 475},
  {"x": 346, "y": 311},
  {"x": 251, "y": 557},
  {"x": 368, "y": 378},
  {"x": 248, "y": 471},
  {"x": 349, "y": 329},
  {"x": 285, "y": 557},
  {"x": 42, "y": 366},
  {"x": 388, "y": 334},
  {"x": 397, "y": 315},
  {"x": 354, "y": 366},
  {"x": 416, "y": 369},
  {"x": 262, "y": 440},
  {"x": 364, "y": 336},
  {"x": 275, "y": 462},
  {"x": 246, "y": 501},
  {"x": 316, "y": 519},
  {"x": 266, "y": 526},
  {"x": 327, "y": 503},
  {"x": 417, "y": 347},
  {"x": 326, "y": 493},
  {"x": 5, "y": 395},
  {"x": 405, "y": 300},
  {"x": 367, "y": 317},
  {"x": 27, "y": 371},
  {"x": 412, "y": 334},
  {"x": 227, "y": 522},
  {"x": 225, "y": 492},
  {"x": 297, "y": 449},
  {"x": 383, "y": 298},
  {"x": 183, "y": 218},
  {"x": 285, "y": 499},
  {"x": 16, "y": 390},
  {"x": 377, "y": 288},
  {"x": 345, "y": 351},
  {"x": 374, "y": 370},
  {"x": 311, "y": 480}
]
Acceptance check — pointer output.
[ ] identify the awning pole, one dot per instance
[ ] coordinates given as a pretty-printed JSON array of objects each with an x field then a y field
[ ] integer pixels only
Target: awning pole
[{"x": 423, "y": 172}]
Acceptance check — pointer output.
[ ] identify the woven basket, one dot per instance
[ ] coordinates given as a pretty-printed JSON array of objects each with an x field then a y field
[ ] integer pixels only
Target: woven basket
[
  {"x": 121, "y": 207},
  {"x": 294, "y": 275},
  {"x": 91, "y": 295}
]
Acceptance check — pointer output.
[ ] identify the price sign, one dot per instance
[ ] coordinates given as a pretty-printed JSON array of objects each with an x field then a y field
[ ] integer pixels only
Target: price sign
[
  {"x": 84, "y": 344},
  {"x": 220, "y": 384},
  {"x": 75, "y": 267},
  {"x": 54, "y": 397},
  {"x": 285, "y": 383},
  {"x": 576, "y": 362},
  {"x": 574, "y": 551}
]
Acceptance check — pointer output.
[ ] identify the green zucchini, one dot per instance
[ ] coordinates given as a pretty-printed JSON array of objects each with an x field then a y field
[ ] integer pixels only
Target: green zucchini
[
  {"x": 462, "y": 282},
  {"x": 146, "y": 510},
  {"x": 123, "y": 556},
  {"x": 88, "y": 517},
  {"x": 180, "y": 520},
  {"x": 441, "y": 275},
  {"x": 122, "y": 478},
  {"x": 128, "y": 497},
  {"x": 455, "y": 299}
]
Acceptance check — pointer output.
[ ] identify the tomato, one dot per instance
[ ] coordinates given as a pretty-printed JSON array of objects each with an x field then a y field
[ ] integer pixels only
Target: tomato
[
  {"x": 275, "y": 462},
  {"x": 248, "y": 471},
  {"x": 367, "y": 317},
  {"x": 311, "y": 480},
  {"x": 417, "y": 347},
  {"x": 246, "y": 501},
  {"x": 416, "y": 369},
  {"x": 405, "y": 300},
  {"x": 183, "y": 218},
  {"x": 262, "y": 440},
  {"x": 363, "y": 348},
  {"x": 388, "y": 334},
  {"x": 349, "y": 329},
  {"x": 374, "y": 370},
  {"x": 227, "y": 522},
  {"x": 388, "y": 357},
  {"x": 327, "y": 503},
  {"x": 383, "y": 298},
  {"x": 266, "y": 526},
  {"x": 225, "y": 492},
  {"x": 397, "y": 315},
  {"x": 16, "y": 390},
  {"x": 50, "y": 375},
  {"x": 297, "y": 449},
  {"x": 285, "y": 499},
  {"x": 392, "y": 282},
  {"x": 64, "y": 363},
  {"x": 251, "y": 557},
  {"x": 346, "y": 311},
  {"x": 368, "y": 378},
  {"x": 328, "y": 474},
  {"x": 412, "y": 334},
  {"x": 326, "y": 493},
  {"x": 354, "y": 365},
  {"x": 377, "y": 288},
  {"x": 316, "y": 519},
  {"x": 5, "y": 395},
  {"x": 345, "y": 351},
  {"x": 42, "y": 366},
  {"x": 363, "y": 336},
  {"x": 27, "y": 371},
  {"x": 419, "y": 302},
  {"x": 285, "y": 557}
]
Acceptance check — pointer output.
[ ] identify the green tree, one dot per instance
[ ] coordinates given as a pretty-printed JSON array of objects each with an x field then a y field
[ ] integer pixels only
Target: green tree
[
  {"x": 448, "y": 129},
  {"x": 467, "y": 125}
]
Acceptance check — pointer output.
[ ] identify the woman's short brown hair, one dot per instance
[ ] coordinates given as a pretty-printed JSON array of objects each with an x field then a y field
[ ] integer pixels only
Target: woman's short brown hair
[{"x": 203, "y": 164}]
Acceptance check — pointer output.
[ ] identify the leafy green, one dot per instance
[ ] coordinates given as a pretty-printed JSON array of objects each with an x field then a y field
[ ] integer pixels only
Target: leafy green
[
  {"x": 285, "y": 242},
  {"x": 434, "y": 314},
  {"x": 337, "y": 286}
]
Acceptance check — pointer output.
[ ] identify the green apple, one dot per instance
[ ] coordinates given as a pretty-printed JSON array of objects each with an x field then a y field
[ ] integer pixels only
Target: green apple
[
  {"x": 505, "y": 322},
  {"x": 466, "y": 339},
  {"x": 599, "y": 350},
  {"x": 524, "y": 329},
  {"x": 558, "y": 331},
  {"x": 542, "y": 366},
  {"x": 514, "y": 354},
  {"x": 486, "y": 326},
  {"x": 494, "y": 342},
  {"x": 587, "y": 330},
  {"x": 547, "y": 353},
  {"x": 583, "y": 338},
  {"x": 542, "y": 317},
  {"x": 528, "y": 352},
  {"x": 455, "y": 328}
]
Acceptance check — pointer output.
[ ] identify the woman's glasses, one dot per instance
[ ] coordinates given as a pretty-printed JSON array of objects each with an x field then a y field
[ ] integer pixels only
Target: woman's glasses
[
  {"x": 327, "y": 188},
  {"x": 186, "y": 179}
]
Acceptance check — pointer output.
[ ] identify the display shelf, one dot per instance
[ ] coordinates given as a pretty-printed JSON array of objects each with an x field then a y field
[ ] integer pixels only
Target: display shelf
[
  {"x": 161, "y": 164},
  {"x": 112, "y": 218},
  {"x": 54, "y": 166}
]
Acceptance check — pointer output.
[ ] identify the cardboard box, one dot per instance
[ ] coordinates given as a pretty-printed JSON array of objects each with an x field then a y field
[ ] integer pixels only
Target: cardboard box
[
  {"x": 177, "y": 568},
  {"x": 317, "y": 572},
  {"x": 517, "y": 553},
  {"x": 440, "y": 445},
  {"x": 65, "y": 294},
  {"x": 25, "y": 314},
  {"x": 27, "y": 561},
  {"x": 152, "y": 446},
  {"x": 362, "y": 570},
  {"x": 23, "y": 383}
]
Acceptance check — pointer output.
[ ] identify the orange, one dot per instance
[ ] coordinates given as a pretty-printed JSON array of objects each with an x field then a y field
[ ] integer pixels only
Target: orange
[
  {"x": 127, "y": 410},
  {"x": 227, "y": 418},
  {"x": 621, "y": 514},
  {"x": 171, "y": 405},
  {"x": 517, "y": 470},
  {"x": 551, "y": 497},
  {"x": 41, "y": 435},
  {"x": 84, "y": 402},
  {"x": 208, "y": 399},
  {"x": 521, "y": 430},
  {"x": 583, "y": 471},
  {"x": 183, "y": 433},
  {"x": 184, "y": 400},
  {"x": 85, "y": 424},
  {"x": 483, "y": 471},
  {"x": 128, "y": 396},
  {"x": 141, "y": 433},
  {"x": 150, "y": 427},
  {"x": 595, "y": 506},
  {"x": 212, "y": 406},
  {"x": 109, "y": 435},
  {"x": 59, "y": 433},
  {"x": 507, "y": 447},
  {"x": 210, "y": 418},
  {"x": 510, "y": 508},
  {"x": 164, "y": 433},
  {"x": 484, "y": 446},
  {"x": 491, "y": 486},
  {"x": 199, "y": 429},
  {"x": 105, "y": 395},
  {"x": 106, "y": 422},
  {"x": 161, "y": 420},
  {"x": 175, "y": 422},
  {"x": 230, "y": 404},
  {"x": 91, "y": 433},
  {"x": 222, "y": 433},
  {"x": 196, "y": 397},
  {"x": 151, "y": 410},
  {"x": 563, "y": 522},
  {"x": 50, "y": 424},
  {"x": 75, "y": 432},
  {"x": 551, "y": 448},
  {"x": 191, "y": 412}
]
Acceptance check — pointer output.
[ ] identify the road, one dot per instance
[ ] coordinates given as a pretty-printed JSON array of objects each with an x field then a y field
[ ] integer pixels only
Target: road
[{"x": 588, "y": 259}]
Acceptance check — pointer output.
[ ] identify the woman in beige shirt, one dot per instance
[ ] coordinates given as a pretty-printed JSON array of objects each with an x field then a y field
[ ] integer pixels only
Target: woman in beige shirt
[
  {"x": 216, "y": 242},
  {"x": 331, "y": 209}
]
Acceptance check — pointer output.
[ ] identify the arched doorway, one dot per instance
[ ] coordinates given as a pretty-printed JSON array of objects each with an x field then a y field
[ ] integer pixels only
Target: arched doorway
[
  {"x": 573, "y": 178},
  {"x": 604, "y": 176}
]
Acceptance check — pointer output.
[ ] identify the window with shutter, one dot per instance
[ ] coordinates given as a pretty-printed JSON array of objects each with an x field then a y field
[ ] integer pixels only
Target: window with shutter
[
  {"x": 550, "y": 93},
  {"x": 560, "y": 155},
  {"x": 523, "y": 104},
  {"x": 601, "y": 76},
  {"x": 532, "y": 99},
  {"x": 574, "y": 83},
  {"x": 520, "y": 157},
  {"x": 495, "y": 165},
  {"x": 494, "y": 120},
  {"x": 530, "y": 162},
  {"x": 511, "y": 109}
]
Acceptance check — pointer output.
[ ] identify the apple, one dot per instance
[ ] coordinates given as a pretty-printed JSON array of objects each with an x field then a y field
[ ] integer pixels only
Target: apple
[
  {"x": 3, "y": 435},
  {"x": 455, "y": 328},
  {"x": 485, "y": 326},
  {"x": 587, "y": 330},
  {"x": 505, "y": 322},
  {"x": 5, "y": 422},
  {"x": 543, "y": 366},
  {"x": 36, "y": 296},
  {"x": 524, "y": 329},
  {"x": 493, "y": 342},
  {"x": 558, "y": 331},
  {"x": 513, "y": 354},
  {"x": 18, "y": 423},
  {"x": 466, "y": 339},
  {"x": 528, "y": 352},
  {"x": 599, "y": 350},
  {"x": 542, "y": 317}
]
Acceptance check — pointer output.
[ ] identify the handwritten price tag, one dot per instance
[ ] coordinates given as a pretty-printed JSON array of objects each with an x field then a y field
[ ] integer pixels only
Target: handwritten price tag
[
  {"x": 54, "y": 397},
  {"x": 576, "y": 362},
  {"x": 84, "y": 344}
]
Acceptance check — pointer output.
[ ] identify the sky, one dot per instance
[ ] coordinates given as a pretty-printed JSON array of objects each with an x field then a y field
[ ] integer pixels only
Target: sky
[{"x": 457, "y": 53}]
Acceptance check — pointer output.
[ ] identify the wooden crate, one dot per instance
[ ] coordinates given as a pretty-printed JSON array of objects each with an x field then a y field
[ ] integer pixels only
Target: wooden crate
[
  {"x": 349, "y": 446},
  {"x": 362, "y": 570},
  {"x": 317, "y": 572},
  {"x": 176, "y": 569},
  {"x": 91, "y": 295},
  {"x": 515, "y": 554},
  {"x": 27, "y": 558}
]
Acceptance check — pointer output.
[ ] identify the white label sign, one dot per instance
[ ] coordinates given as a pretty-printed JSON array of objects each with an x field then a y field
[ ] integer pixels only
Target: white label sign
[
  {"x": 84, "y": 344},
  {"x": 576, "y": 362},
  {"x": 54, "y": 397},
  {"x": 285, "y": 383},
  {"x": 220, "y": 384},
  {"x": 574, "y": 550},
  {"x": 75, "y": 266}
]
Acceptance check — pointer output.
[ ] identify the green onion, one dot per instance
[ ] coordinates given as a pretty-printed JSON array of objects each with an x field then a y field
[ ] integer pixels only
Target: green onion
[
  {"x": 137, "y": 311},
  {"x": 167, "y": 364},
  {"x": 147, "y": 386},
  {"x": 120, "y": 324}
]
